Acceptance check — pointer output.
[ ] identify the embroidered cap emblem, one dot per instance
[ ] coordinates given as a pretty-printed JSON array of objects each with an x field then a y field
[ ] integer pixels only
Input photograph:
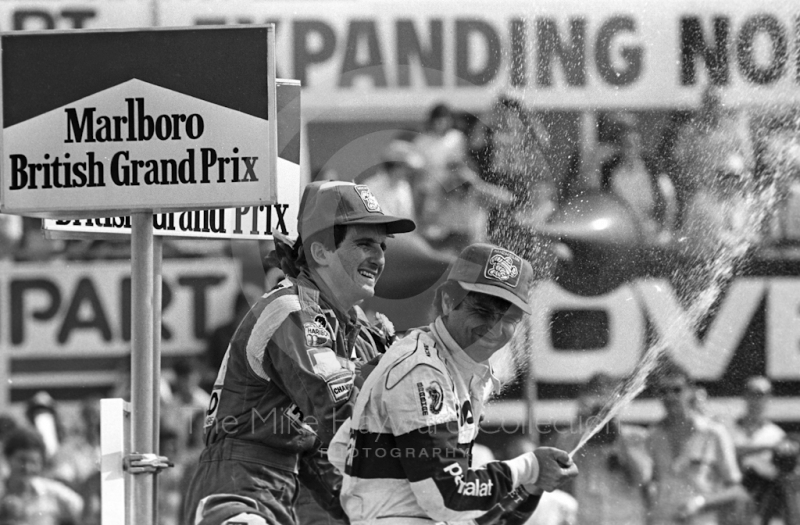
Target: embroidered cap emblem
[
  {"x": 369, "y": 200},
  {"x": 504, "y": 268}
]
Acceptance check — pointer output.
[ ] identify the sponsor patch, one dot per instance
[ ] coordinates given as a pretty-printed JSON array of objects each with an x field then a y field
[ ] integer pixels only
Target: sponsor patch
[
  {"x": 316, "y": 334},
  {"x": 340, "y": 387},
  {"x": 436, "y": 397},
  {"x": 423, "y": 401},
  {"x": 504, "y": 267},
  {"x": 468, "y": 488},
  {"x": 369, "y": 200},
  {"x": 324, "y": 362}
]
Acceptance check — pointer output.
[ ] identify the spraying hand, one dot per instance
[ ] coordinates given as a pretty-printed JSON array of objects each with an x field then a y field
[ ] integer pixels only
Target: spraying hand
[{"x": 555, "y": 468}]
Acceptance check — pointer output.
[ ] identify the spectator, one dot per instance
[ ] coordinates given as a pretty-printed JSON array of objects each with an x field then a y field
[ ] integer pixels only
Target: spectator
[
  {"x": 78, "y": 457},
  {"x": 29, "y": 497},
  {"x": 170, "y": 481},
  {"x": 8, "y": 424},
  {"x": 517, "y": 144},
  {"x": 11, "y": 232},
  {"x": 632, "y": 177},
  {"x": 704, "y": 146},
  {"x": 188, "y": 404},
  {"x": 755, "y": 438},
  {"x": 42, "y": 413},
  {"x": 779, "y": 162},
  {"x": 452, "y": 200},
  {"x": 219, "y": 338},
  {"x": 440, "y": 144},
  {"x": 393, "y": 183},
  {"x": 723, "y": 216},
  {"x": 696, "y": 479},
  {"x": 614, "y": 464},
  {"x": 459, "y": 217}
]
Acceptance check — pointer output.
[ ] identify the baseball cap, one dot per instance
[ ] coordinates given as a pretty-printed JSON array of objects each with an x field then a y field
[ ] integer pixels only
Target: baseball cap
[
  {"x": 331, "y": 203},
  {"x": 492, "y": 270}
]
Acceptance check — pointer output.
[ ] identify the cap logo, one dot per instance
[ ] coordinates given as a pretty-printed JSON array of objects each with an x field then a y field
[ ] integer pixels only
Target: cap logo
[
  {"x": 503, "y": 267},
  {"x": 369, "y": 200}
]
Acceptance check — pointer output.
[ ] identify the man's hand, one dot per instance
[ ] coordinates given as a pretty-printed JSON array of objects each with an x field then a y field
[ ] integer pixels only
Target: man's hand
[{"x": 555, "y": 468}]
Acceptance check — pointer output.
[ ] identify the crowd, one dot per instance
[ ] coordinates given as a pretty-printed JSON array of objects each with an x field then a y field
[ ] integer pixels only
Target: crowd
[{"x": 307, "y": 360}]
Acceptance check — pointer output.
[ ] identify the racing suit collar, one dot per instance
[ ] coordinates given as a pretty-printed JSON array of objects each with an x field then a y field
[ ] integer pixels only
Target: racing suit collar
[
  {"x": 462, "y": 361},
  {"x": 320, "y": 294}
]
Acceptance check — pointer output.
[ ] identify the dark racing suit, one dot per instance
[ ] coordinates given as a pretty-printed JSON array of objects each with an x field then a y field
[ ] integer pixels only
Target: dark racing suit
[{"x": 283, "y": 388}]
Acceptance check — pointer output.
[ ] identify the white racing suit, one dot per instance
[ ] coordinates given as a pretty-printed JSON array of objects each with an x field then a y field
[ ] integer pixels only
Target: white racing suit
[{"x": 406, "y": 452}]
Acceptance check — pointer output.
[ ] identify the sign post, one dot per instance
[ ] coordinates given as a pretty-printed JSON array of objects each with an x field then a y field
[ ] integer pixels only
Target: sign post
[
  {"x": 144, "y": 386},
  {"x": 93, "y": 126}
]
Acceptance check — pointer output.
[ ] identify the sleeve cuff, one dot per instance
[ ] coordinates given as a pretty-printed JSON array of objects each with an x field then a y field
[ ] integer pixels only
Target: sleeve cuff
[{"x": 524, "y": 469}]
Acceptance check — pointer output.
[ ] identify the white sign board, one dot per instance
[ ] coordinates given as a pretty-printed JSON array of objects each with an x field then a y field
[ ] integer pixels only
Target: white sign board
[{"x": 244, "y": 223}]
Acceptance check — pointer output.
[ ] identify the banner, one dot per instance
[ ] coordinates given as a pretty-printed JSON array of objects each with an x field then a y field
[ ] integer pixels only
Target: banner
[
  {"x": 83, "y": 309},
  {"x": 355, "y": 57}
]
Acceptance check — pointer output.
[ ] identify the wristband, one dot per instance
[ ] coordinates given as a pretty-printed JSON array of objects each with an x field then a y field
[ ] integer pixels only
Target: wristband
[{"x": 524, "y": 469}]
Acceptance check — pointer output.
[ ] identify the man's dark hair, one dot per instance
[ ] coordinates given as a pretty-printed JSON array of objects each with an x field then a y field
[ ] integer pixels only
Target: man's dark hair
[
  {"x": 453, "y": 290},
  {"x": 292, "y": 260},
  {"x": 330, "y": 238},
  {"x": 24, "y": 439}
]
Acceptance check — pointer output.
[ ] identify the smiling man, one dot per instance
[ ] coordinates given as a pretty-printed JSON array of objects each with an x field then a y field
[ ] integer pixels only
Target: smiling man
[
  {"x": 406, "y": 453},
  {"x": 291, "y": 368}
]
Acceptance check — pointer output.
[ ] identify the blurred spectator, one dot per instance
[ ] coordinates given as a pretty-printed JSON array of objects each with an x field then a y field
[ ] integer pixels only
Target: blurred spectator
[
  {"x": 779, "y": 162},
  {"x": 8, "y": 424},
  {"x": 456, "y": 214},
  {"x": 449, "y": 212},
  {"x": 696, "y": 479},
  {"x": 187, "y": 405},
  {"x": 393, "y": 183},
  {"x": 42, "y": 413},
  {"x": 78, "y": 457},
  {"x": 11, "y": 231},
  {"x": 723, "y": 215},
  {"x": 33, "y": 246},
  {"x": 29, "y": 497},
  {"x": 755, "y": 438},
  {"x": 217, "y": 341},
  {"x": 440, "y": 144},
  {"x": 555, "y": 508},
  {"x": 614, "y": 465},
  {"x": 632, "y": 177},
  {"x": 704, "y": 147},
  {"x": 170, "y": 481},
  {"x": 516, "y": 148}
]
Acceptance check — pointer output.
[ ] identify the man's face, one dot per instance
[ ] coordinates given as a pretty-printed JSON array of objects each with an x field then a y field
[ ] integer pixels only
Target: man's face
[
  {"x": 483, "y": 324},
  {"x": 676, "y": 394},
  {"x": 356, "y": 265},
  {"x": 25, "y": 464}
]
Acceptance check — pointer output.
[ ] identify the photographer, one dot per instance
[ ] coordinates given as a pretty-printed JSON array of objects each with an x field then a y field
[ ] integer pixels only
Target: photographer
[{"x": 614, "y": 464}]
